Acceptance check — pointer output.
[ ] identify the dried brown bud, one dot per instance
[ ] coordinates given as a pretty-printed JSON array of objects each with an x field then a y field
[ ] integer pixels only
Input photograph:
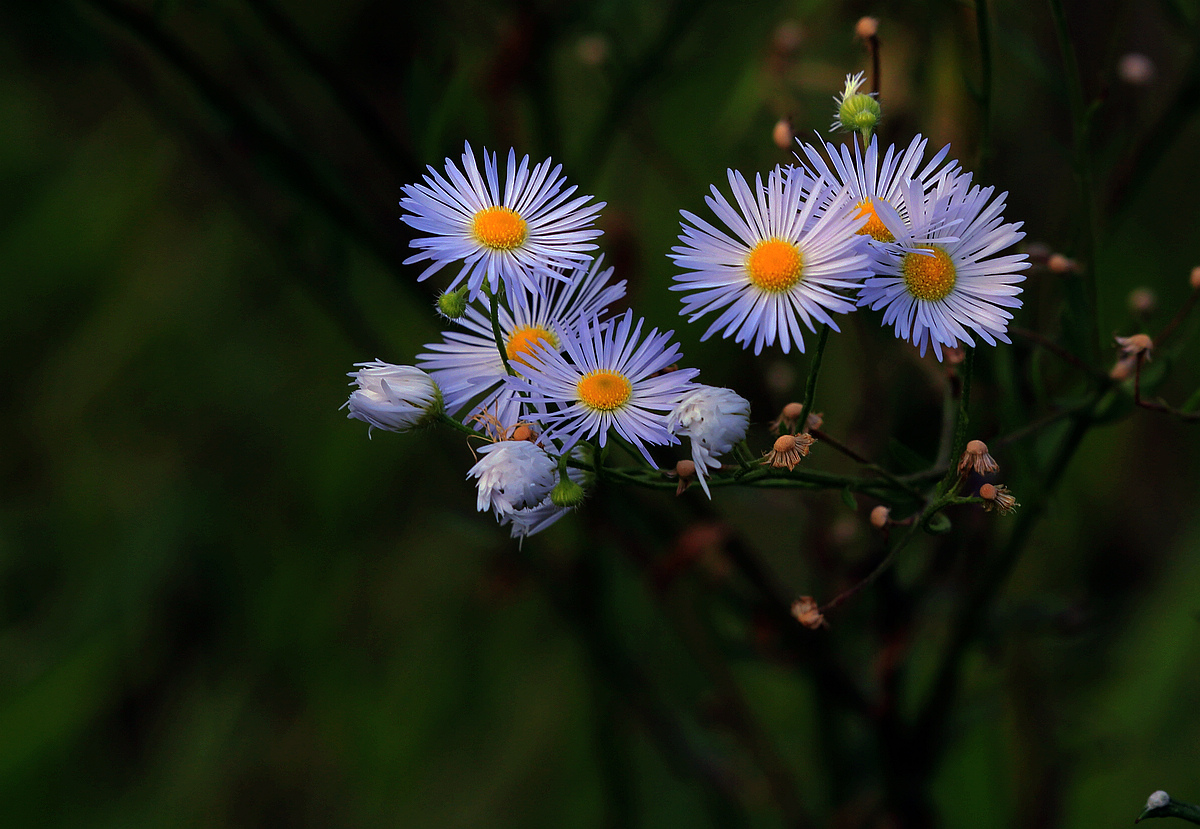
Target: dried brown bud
[
  {"x": 954, "y": 356},
  {"x": 998, "y": 498},
  {"x": 522, "y": 432},
  {"x": 1123, "y": 368},
  {"x": 783, "y": 135},
  {"x": 787, "y": 419},
  {"x": 1142, "y": 301},
  {"x": 1057, "y": 263},
  {"x": 685, "y": 469},
  {"x": 976, "y": 457},
  {"x": 1194, "y": 278},
  {"x": 1136, "y": 69},
  {"x": 808, "y": 613},
  {"x": 866, "y": 27},
  {"x": 880, "y": 516},
  {"x": 1137, "y": 344}
]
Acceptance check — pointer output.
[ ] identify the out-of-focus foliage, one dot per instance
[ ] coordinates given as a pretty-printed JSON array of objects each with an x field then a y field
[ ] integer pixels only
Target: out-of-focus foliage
[{"x": 222, "y": 605}]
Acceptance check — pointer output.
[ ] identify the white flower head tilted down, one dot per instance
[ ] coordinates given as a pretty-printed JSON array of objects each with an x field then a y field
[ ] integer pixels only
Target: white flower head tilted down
[
  {"x": 715, "y": 419},
  {"x": 513, "y": 474},
  {"x": 501, "y": 236},
  {"x": 395, "y": 398}
]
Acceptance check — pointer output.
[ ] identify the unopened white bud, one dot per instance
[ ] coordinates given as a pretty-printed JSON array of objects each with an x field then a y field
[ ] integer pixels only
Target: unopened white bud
[
  {"x": 512, "y": 474},
  {"x": 395, "y": 398}
]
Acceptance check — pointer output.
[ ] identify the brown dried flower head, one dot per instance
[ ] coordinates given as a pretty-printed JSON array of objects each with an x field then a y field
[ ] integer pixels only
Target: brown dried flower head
[
  {"x": 788, "y": 418},
  {"x": 789, "y": 450},
  {"x": 1135, "y": 345},
  {"x": 997, "y": 497},
  {"x": 880, "y": 516},
  {"x": 866, "y": 27},
  {"x": 976, "y": 457},
  {"x": 808, "y": 613},
  {"x": 1057, "y": 263},
  {"x": 954, "y": 356}
]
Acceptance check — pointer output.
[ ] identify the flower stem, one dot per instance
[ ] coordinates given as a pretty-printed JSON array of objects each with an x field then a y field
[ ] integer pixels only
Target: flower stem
[
  {"x": 961, "y": 422},
  {"x": 495, "y": 303},
  {"x": 810, "y": 385}
]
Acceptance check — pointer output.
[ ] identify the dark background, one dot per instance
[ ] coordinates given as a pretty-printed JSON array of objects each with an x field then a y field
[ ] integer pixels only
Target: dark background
[{"x": 222, "y": 605}]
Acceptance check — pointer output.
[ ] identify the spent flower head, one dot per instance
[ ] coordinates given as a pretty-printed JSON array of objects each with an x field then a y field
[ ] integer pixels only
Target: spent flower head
[
  {"x": 512, "y": 474},
  {"x": 715, "y": 419}
]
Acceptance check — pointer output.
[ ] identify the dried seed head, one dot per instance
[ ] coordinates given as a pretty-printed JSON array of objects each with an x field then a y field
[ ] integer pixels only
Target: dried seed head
[
  {"x": 1057, "y": 263},
  {"x": 866, "y": 27},
  {"x": 783, "y": 135},
  {"x": 1142, "y": 301},
  {"x": 1137, "y": 344},
  {"x": 998, "y": 497},
  {"x": 880, "y": 516},
  {"x": 685, "y": 469},
  {"x": 976, "y": 457},
  {"x": 954, "y": 356},
  {"x": 789, "y": 450},
  {"x": 807, "y": 613}
]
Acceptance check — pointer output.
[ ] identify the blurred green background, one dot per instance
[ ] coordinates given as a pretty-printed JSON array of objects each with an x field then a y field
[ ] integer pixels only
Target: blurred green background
[{"x": 222, "y": 605}]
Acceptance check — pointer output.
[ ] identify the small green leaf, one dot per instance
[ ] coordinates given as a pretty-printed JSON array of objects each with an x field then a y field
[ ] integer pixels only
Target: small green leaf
[
  {"x": 937, "y": 524},
  {"x": 848, "y": 499}
]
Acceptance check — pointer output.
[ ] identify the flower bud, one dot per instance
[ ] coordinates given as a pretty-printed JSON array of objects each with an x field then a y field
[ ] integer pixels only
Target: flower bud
[
  {"x": 453, "y": 304},
  {"x": 1142, "y": 301},
  {"x": 783, "y": 135},
  {"x": 1057, "y": 263},
  {"x": 1194, "y": 278},
  {"x": 566, "y": 493},
  {"x": 1136, "y": 69},
  {"x": 395, "y": 398},
  {"x": 857, "y": 111},
  {"x": 880, "y": 516},
  {"x": 997, "y": 497},
  {"x": 866, "y": 27}
]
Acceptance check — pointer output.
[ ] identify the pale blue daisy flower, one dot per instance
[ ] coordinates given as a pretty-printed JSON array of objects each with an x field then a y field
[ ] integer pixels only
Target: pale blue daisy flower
[
  {"x": 942, "y": 278},
  {"x": 795, "y": 248},
  {"x": 467, "y": 364},
  {"x": 872, "y": 180},
  {"x": 607, "y": 377},
  {"x": 503, "y": 236}
]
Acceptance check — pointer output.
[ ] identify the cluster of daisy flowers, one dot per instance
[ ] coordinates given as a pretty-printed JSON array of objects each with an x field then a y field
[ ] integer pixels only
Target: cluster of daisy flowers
[{"x": 545, "y": 376}]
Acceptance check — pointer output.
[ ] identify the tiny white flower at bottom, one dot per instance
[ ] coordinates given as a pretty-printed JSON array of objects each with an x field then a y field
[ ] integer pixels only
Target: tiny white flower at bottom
[
  {"x": 513, "y": 474},
  {"x": 715, "y": 419},
  {"x": 395, "y": 398}
]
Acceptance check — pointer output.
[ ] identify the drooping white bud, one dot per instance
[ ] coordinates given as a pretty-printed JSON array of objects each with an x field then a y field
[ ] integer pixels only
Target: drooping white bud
[
  {"x": 1158, "y": 800},
  {"x": 715, "y": 419},
  {"x": 513, "y": 474},
  {"x": 395, "y": 398}
]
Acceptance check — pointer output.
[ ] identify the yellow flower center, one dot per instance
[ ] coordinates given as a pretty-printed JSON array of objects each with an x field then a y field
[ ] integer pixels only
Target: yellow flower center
[
  {"x": 929, "y": 277},
  {"x": 774, "y": 265},
  {"x": 523, "y": 343},
  {"x": 604, "y": 390},
  {"x": 499, "y": 228},
  {"x": 874, "y": 227}
]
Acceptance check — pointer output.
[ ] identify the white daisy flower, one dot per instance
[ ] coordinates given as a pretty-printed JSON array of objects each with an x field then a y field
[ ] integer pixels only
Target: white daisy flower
[
  {"x": 608, "y": 378},
  {"x": 715, "y": 419},
  {"x": 871, "y": 180},
  {"x": 795, "y": 248},
  {"x": 395, "y": 398},
  {"x": 513, "y": 474},
  {"x": 941, "y": 278},
  {"x": 500, "y": 236},
  {"x": 467, "y": 364}
]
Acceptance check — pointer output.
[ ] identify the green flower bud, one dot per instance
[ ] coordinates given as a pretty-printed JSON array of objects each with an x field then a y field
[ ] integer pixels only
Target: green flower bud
[
  {"x": 857, "y": 111},
  {"x": 566, "y": 493},
  {"x": 453, "y": 304}
]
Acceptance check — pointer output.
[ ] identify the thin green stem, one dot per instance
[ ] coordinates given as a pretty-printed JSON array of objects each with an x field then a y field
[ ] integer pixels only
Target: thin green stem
[
  {"x": 810, "y": 386},
  {"x": 446, "y": 420},
  {"x": 499, "y": 337},
  {"x": 961, "y": 424}
]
